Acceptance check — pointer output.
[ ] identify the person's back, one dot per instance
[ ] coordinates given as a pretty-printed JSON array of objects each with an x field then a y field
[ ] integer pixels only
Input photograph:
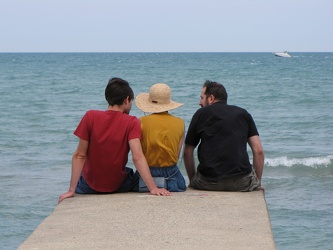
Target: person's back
[
  {"x": 223, "y": 137},
  {"x": 108, "y": 133},
  {"x": 162, "y": 135},
  {"x": 223, "y": 132}
]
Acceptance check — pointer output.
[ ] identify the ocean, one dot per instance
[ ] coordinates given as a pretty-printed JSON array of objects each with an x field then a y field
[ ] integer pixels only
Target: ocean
[{"x": 44, "y": 95}]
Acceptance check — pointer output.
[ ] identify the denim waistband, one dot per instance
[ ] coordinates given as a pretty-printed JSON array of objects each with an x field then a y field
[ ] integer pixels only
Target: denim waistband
[
  {"x": 164, "y": 171},
  {"x": 170, "y": 167}
]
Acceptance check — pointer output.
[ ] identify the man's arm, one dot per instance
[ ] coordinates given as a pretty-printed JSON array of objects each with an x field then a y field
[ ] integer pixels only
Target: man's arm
[
  {"x": 141, "y": 165},
  {"x": 258, "y": 155},
  {"x": 78, "y": 159},
  {"x": 189, "y": 162}
]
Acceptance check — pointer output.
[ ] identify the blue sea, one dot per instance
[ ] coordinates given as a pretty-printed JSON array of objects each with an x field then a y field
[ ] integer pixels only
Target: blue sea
[{"x": 44, "y": 95}]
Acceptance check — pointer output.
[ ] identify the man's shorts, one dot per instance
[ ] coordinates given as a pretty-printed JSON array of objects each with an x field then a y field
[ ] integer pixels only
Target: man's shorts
[{"x": 245, "y": 183}]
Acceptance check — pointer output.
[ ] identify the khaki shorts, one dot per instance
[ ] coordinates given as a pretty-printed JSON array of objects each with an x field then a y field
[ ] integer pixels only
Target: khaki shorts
[{"x": 246, "y": 183}]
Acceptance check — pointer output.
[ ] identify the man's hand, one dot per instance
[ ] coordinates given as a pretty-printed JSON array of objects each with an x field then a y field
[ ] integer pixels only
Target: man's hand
[
  {"x": 66, "y": 195},
  {"x": 160, "y": 192}
]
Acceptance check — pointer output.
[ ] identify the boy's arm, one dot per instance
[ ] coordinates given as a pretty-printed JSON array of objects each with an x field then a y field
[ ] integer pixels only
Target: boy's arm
[
  {"x": 78, "y": 159},
  {"x": 141, "y": 165}
]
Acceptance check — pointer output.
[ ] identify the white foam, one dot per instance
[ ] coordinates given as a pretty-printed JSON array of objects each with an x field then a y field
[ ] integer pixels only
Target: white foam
[{"x": 321, "y": 161}]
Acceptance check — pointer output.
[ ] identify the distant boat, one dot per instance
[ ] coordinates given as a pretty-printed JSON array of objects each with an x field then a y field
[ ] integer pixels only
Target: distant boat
[{"x": 282, "y": 54}]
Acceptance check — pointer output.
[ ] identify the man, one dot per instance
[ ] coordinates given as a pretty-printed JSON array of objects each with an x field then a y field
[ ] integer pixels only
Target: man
[
  {"x": 98, "y": 164},
  {"x": 223, "y": 132}
]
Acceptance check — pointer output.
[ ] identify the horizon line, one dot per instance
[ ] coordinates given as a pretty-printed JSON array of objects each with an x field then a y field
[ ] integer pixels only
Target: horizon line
[{"x": 2, "y": 52}]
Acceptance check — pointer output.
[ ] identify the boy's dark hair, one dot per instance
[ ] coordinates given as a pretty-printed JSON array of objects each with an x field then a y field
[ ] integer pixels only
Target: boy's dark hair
[
  {"x": 216, "y": 89},
  {"x": 117, "y": 91}
]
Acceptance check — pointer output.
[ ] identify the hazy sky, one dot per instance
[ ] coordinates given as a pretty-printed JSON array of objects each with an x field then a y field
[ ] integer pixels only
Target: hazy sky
[{"x": 166, "y": 25}]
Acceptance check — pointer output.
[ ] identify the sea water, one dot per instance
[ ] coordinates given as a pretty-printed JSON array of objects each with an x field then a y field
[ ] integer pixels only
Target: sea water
[{"x": 44, "y": 95}]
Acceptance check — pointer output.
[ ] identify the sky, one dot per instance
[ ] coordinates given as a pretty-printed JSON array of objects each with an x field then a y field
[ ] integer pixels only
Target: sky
[{"x": 166, "y": 25}]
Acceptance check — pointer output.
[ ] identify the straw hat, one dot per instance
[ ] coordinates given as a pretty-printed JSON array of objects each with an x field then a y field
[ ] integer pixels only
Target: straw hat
[{"x": 157, "y": 100}]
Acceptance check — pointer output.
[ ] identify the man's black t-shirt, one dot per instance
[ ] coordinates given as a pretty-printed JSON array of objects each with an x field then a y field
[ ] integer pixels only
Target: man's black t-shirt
[{"x": 223, "y": 131}]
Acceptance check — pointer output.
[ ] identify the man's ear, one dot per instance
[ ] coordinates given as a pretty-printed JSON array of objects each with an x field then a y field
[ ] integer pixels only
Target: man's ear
[{"x": 211, "y": 99}]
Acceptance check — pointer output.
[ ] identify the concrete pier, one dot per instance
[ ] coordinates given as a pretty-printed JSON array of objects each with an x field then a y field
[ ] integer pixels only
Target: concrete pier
[{"x": 189, "y": 220}]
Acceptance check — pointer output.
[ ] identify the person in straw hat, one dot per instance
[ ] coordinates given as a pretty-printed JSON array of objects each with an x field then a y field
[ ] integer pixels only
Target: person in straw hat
[{"x": 162, "y": 135}]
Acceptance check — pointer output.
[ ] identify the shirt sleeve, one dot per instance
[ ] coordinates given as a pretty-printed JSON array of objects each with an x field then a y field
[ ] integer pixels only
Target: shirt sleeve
[
  {"x": 135, "y": 130},
  {"x": 252, "y": 127},
  {"x": 192, "y": 136},
  {"x": 82, "y": 130}
]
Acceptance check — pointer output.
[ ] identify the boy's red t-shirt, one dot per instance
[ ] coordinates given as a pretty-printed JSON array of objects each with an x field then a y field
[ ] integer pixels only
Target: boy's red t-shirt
[{"x": 108, "y": 133}]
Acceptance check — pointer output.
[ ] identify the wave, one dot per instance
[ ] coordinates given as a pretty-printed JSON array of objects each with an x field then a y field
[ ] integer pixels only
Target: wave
[
  {"x": 310, "y": 166},
  {"x": 314, "y": 162}
]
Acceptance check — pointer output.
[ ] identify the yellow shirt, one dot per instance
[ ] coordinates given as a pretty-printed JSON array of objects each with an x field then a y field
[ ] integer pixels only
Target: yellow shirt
[{"x": 161, "y": 135}]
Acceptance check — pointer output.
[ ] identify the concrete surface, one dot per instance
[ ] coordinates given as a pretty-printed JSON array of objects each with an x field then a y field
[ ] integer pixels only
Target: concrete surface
[{"x": 189, "y": 220}]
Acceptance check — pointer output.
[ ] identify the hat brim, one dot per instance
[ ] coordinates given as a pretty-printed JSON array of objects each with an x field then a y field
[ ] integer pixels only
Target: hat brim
[{"x": 143, "y": 103}]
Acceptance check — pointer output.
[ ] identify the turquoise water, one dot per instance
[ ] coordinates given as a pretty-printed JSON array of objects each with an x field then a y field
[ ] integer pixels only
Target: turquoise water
[{"x": 44, "y": 95}]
